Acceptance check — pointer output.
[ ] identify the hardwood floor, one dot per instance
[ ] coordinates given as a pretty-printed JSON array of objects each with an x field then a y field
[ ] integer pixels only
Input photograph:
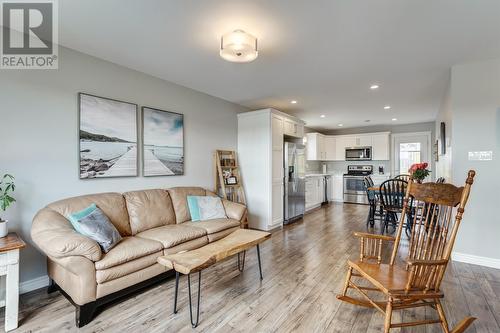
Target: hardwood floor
[{"x": 304, "y": 266}]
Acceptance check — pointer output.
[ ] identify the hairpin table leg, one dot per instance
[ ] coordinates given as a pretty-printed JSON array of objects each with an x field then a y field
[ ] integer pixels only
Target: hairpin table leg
[
  {"x": 194, "y": 324},
  {"x": 241, "y": 262},
  {"x": 176, "y": 291},
  {"x": 258, "y": 257}
]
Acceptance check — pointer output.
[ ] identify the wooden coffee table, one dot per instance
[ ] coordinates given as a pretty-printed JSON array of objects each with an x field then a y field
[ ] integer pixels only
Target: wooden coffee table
[{"x": 189, "y": 262}]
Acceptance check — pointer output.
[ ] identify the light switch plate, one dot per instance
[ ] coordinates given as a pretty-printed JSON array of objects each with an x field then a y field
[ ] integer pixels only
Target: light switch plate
[{"x": 481, "y": 155}]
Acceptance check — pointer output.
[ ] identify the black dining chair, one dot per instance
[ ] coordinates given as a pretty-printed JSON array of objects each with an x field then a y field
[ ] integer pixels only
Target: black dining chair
[
  {"x": 404, "y": 177},
  {"x": 440, "y": 180},
  {"x": 372, "y": 201},
  {"x": 392, "y": 193}
]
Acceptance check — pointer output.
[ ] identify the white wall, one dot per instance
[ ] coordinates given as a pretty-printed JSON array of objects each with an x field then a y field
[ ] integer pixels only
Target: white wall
[
  {"x": 39, "y": 135},
  {"x": 475, "y": 105}
]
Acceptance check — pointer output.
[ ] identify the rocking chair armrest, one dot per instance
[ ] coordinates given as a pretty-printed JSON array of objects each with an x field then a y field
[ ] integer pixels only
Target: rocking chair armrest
[
  {"x": 374, "y": 236},
  {"x": 419, "y": 262}
]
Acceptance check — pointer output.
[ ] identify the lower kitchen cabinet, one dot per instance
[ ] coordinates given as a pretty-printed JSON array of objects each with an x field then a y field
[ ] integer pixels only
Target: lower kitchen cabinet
[
  {"x": 338, "y": 188},
  {"x": 314, "y": 192}
]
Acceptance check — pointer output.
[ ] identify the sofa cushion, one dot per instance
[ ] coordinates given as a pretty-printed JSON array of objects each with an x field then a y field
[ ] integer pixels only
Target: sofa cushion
[
  {"x": 213, "y": 226},
  {"x": 221, "y": 234},
  {"x": 128, "y": 249},
  {"x": 187, "y": 246},
  {"x": 149, "y": 209},
  {"x": 126, "y": 268},
  {"x": 112, "y": 204},
  {"x": 173, "y": 234},
  {"x": 179, "y": 201}
]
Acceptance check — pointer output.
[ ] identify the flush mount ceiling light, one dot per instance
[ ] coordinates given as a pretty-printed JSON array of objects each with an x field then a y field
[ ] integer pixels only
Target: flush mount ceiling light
[
  {"x": 322, "y": 116},
  {"x": 293, "y": 102},
  {"x": 238, "y": 46},
  {"x": 374, "y": 86},
  {"x": 387, "y": 107},
  {"x": 394, "y": 119},
  {"x": 340, "y": 125}
]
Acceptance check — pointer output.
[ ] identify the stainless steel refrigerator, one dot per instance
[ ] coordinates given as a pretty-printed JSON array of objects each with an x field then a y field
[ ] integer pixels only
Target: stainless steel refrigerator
[{"x": 295, "y": 181}]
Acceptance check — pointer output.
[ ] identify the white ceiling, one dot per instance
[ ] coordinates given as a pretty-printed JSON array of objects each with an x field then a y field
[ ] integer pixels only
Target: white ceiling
[{"x": 322, "y": 53}]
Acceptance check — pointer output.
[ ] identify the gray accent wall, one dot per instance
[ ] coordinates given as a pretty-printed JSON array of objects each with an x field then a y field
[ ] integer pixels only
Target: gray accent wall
[
  {"x": 39, "y": 135},
  {"x": 475, "y": 115}
]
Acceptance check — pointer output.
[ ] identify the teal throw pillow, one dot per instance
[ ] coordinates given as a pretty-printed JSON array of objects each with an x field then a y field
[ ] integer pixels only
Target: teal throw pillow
[{"x": 204, "y": 208}]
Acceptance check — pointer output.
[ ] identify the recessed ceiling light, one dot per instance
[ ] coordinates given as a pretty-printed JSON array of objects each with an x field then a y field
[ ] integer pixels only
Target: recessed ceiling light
[
  {"x": 374, "y": 86},
  {"x": 367, "y": 120},
  {"x": 322, "y": 116},
  {"x": 394, "y": 119},
  {"x": 293, "y": 102},
  {"x": 340, "y": 125},
  {"x": 387, "y": 107}
]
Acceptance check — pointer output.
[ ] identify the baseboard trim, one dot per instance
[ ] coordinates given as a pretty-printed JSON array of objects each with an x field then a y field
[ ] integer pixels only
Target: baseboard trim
[
  {"x": 476, "y": 260},
  {"x": 30, "y": 285}
]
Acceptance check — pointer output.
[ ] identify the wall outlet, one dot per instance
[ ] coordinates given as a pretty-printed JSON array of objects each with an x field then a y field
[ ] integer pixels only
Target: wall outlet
[{"x": 481, "y": 155}]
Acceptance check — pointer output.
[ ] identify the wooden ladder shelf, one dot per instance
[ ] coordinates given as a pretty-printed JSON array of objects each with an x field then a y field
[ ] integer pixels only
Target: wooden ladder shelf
[{"x": 228, "y": 182}]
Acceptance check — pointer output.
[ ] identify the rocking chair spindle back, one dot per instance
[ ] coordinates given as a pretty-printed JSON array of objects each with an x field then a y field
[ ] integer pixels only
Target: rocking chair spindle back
[{"x": 435, "y": 212}]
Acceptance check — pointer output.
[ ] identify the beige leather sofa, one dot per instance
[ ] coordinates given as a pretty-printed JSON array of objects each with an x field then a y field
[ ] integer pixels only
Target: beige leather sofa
[{"x": 151, "y": 222}]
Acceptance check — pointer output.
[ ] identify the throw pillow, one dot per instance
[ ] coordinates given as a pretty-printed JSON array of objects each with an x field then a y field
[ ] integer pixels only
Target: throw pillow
[
  {"x": 93, "y": 223},
  {"x": 205, "y": 208}
]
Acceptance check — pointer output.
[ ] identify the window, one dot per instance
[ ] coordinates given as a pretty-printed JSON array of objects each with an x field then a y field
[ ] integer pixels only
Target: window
[{"x": 409, "y": 153}]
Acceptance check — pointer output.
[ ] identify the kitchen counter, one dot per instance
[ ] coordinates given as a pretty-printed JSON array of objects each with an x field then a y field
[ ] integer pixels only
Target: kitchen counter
[{"x": 318, "y": 174}]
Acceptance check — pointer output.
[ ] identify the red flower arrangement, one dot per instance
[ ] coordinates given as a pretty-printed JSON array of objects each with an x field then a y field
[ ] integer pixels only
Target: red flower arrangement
[{"x": 419, "y": 171}]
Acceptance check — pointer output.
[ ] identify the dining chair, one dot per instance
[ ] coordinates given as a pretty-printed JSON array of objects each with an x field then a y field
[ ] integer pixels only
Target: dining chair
[
  {"x": 416, "y": 282},
  {"x": 440, "y": 180},
  {"x": 404, "y": 177},
  {"x": 391, "y": 194},
  {"x": 372, "y": 201}
]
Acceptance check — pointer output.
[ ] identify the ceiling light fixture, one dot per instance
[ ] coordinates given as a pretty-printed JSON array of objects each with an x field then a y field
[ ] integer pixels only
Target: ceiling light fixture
[
  {"x": 394, "y": 119},
  {"x": 340, "y": 125},
  {"x": 374, "y": 86},
  {"x": 322, "y": 116},
  {"x": 293, "y": 102},
  {"x": 387, "y": 107},
  {"x": 238, "y": 46}
]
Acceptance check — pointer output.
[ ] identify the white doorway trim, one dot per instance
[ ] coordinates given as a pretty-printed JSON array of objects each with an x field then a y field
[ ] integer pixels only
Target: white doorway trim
[{"x": 394, "y": 136}]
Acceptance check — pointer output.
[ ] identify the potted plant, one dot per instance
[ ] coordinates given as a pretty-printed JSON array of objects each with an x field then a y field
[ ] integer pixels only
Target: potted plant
[
  {"x": 7, "y": 186},
  {"x": 419, "y": 171}
]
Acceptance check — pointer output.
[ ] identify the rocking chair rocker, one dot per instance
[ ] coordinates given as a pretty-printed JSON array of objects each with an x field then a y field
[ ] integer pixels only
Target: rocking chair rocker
[{"x": 415, "y": 283}]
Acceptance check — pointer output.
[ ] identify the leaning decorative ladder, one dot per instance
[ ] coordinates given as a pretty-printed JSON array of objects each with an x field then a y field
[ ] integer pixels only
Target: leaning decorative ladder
[
  {"x": 416, "y": 283},
  {"x": 226, "y": 166}
]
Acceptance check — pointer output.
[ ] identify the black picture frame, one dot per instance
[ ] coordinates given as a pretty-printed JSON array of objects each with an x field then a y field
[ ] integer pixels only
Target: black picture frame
[{"x": 443, "y": 137}]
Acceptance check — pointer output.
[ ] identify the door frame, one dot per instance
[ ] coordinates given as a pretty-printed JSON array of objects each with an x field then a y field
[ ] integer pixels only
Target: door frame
[{"x": 394, "y": 136}]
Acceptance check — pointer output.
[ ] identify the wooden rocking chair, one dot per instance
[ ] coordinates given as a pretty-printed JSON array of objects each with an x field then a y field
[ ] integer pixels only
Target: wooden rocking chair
[{"x": 415, "y": 283}]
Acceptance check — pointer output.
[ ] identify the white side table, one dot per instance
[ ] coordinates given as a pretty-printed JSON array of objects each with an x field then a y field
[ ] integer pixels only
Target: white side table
[{"x": 9, "y": 266}]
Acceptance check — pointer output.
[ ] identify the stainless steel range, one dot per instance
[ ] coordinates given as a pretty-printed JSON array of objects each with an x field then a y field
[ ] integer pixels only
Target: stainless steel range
[{"x": 354, "y": 188}]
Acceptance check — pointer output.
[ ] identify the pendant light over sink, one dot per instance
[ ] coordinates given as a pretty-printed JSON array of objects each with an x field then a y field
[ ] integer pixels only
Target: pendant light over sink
[{"x": 238, "y": 46}]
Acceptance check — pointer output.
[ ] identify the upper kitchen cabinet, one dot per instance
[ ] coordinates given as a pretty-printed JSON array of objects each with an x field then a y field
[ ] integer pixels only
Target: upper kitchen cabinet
[
  {"x": 315, "y": 147},
  {"x": 380, "y": 147},
  {"x": 293, "y": 128},
  {"x": 332, "y": 147}
]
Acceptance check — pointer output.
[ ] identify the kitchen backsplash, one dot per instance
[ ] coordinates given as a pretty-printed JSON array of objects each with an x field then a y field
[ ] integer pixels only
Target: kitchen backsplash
[{"x": 341, "y": 166}]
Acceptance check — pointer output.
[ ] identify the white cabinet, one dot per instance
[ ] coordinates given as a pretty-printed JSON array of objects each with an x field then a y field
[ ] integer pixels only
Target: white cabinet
[
  {"x": 277, "y": 132},
  {"x": 260, "y": 154},
  {"x": 380, "y": 147},
  {"x": 330, "y": 148},
  {"x": 293, "y": 128},
  {"x": 314, "y": 191},
  {"x": 338, "y": 188},
  {"x": 315, "y": 147},
  {"x": 363, "y": 140}
]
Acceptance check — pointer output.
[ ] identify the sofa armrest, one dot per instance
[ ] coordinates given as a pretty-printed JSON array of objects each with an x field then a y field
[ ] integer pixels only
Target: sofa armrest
[
  {"x": 235, "y": 210},
  {"x": 55, "y": 236}
]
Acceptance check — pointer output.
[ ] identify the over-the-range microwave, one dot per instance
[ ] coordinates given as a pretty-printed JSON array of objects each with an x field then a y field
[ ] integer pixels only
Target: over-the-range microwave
[{"x": 358, "y": 154}]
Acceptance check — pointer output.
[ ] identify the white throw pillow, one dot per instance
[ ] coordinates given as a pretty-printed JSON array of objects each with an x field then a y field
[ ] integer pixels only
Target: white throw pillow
[{"x": 211, "y": 208}]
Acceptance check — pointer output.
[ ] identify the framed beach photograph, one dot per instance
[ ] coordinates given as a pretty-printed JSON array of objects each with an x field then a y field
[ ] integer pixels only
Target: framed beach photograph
[
  {"x": 163, "y": 142},
  {"x": 107, "y": 137}
]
